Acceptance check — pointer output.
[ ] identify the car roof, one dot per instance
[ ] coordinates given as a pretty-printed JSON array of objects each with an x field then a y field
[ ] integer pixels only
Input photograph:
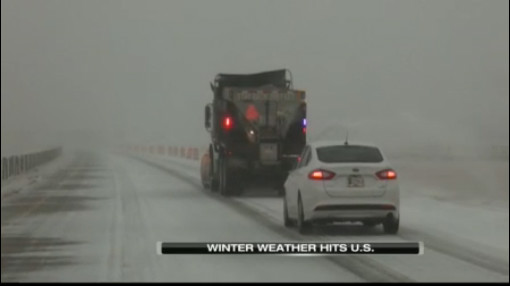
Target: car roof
[{"x": 325, "y": 143}]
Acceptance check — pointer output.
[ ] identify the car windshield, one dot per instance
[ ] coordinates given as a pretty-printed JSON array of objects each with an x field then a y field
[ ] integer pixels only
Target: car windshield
[{"x": 349, "y": 154}]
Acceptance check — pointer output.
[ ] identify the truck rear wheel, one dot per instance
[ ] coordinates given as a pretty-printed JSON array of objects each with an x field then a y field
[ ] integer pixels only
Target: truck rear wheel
[
  {"x": 280, "y": 190},
  {"x": 205, "y": 184},
  {"x": 226, "y": 179},
  {"x": 214, "y": 183}
]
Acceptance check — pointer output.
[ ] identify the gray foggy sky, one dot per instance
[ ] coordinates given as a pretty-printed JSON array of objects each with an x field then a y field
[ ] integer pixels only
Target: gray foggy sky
[{"x": 139, "y": 71}]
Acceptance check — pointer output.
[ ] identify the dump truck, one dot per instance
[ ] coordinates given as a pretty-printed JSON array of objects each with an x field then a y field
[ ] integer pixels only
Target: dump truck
[{"x": 257, "y": 125}]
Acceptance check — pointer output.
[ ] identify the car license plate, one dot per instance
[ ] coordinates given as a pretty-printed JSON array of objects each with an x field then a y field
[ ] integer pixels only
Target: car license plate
[{"x": 356, "y": 181}]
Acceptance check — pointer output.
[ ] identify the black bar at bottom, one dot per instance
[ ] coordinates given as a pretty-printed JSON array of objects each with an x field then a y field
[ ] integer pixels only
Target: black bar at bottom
[{"x": 290, "y": 248}]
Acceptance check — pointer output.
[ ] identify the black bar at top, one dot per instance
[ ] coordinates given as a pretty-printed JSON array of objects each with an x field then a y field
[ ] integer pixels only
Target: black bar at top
[{"x": 292, "y": 248}]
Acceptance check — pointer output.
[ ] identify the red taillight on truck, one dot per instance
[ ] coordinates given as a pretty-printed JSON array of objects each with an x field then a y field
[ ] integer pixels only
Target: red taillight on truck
[
  {"x": 228, "y": 123},
  {"x": 387, "y": 174},
  {"x": 321, "y": 175}
]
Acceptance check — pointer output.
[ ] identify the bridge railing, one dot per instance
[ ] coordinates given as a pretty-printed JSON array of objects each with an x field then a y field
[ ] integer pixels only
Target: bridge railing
[
  {"x": 455, "y": 152},
  {"x": 19, "y": 164}
]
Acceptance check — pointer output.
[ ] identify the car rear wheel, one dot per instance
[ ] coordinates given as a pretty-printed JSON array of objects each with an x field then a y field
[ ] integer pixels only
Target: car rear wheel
[
  {"x": 287, "y": 221},
  {"x": 391, "y": 225},
  {"x": 304, "y": 227}
]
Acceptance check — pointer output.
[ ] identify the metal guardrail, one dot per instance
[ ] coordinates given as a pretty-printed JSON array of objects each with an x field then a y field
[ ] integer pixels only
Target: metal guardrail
[{"x": 19, "y": 164}]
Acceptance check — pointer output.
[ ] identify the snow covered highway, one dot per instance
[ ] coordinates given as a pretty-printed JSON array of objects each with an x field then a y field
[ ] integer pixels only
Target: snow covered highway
[
  {"x": 264, "y": 141},
  {"x": 99, "y": 217}
]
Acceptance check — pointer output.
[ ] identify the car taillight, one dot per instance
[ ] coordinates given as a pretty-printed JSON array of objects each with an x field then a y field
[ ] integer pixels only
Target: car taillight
[
  {"x": 321, "y": 175},
  {"x": 387, "y": 174},
  {"x": 228, "y": 123}
]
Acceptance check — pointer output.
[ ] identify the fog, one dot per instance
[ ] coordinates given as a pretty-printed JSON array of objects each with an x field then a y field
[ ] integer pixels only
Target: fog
[{"x": 399, "y": 73}]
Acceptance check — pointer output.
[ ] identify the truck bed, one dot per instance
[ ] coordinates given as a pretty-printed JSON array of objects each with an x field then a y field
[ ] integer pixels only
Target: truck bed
[{"x": 276, "y": 78}]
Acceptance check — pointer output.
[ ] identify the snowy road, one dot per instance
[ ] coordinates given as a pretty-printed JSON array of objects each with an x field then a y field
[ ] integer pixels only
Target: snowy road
[{"x": 99, "y": 220}]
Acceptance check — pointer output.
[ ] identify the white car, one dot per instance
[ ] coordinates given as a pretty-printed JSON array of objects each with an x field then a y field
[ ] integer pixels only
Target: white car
[{"x": 342, "y": 182}]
